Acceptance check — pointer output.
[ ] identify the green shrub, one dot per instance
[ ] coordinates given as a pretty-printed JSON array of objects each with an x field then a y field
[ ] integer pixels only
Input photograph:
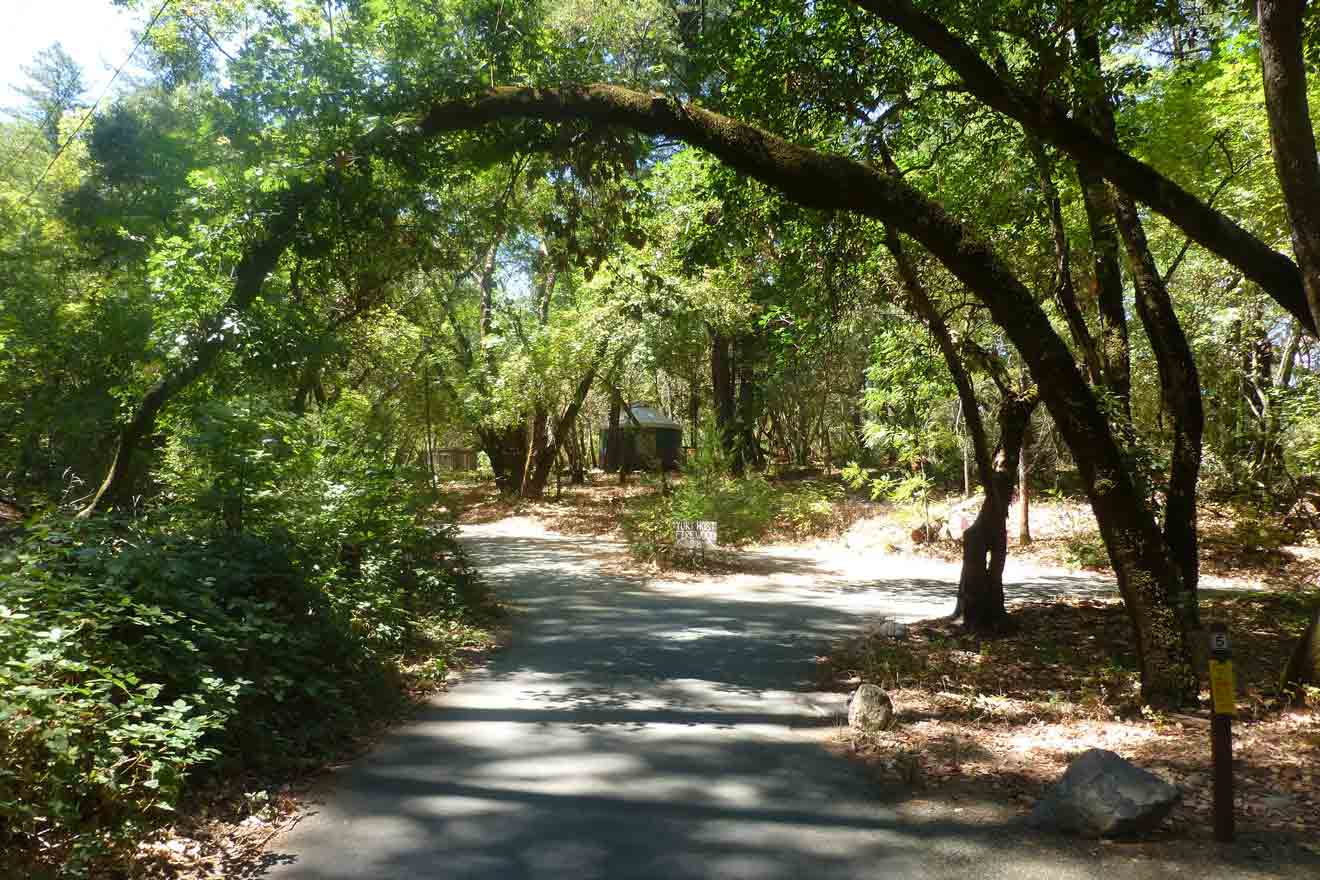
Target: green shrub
[
  {"x": 129, "y": 657},
  {"x": 1086, "y": 550},
  {"x": 302, "y": 482},
  {"x": 648, "y": 526},
  {"x": 137, "y": 655},
  {"x": 745, "y": 508},
  {"x": 808, "y": 509}
]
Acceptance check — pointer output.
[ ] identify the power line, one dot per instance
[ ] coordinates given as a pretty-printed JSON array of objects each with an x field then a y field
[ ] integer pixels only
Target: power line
[{"x": 97, "y": 103}]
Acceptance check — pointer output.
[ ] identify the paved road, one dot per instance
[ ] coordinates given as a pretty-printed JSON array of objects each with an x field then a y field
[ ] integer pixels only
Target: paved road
[{"x": 653, "y": 730}]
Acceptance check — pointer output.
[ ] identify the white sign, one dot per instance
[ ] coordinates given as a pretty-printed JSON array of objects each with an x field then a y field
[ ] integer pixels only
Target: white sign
[{"x": 696, "y": 535}]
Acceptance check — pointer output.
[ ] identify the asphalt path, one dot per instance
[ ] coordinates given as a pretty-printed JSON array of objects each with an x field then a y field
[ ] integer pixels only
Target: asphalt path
[{"x": 637, "y": 728}]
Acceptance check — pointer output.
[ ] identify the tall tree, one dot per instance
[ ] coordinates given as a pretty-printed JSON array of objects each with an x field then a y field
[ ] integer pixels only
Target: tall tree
[
  {"x": 1292, "y": 136},
  {"x": 54, "y": 87}
]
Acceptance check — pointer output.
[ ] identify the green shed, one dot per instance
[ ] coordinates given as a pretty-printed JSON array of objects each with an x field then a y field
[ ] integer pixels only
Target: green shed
[{"x": 647, "y": 440}]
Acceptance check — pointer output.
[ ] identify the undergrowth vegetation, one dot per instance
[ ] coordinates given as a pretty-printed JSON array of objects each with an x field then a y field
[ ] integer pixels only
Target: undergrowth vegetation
[
  {"x": 746, "y": 508},
  {"x": 218, "y": 635}
]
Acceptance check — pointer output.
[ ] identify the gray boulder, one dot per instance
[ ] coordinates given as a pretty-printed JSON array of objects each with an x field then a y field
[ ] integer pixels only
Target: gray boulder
[
  {"x": 869, "y": 708},
  {"x": 892, "y": 629},
  {"x": 1102, "y": 795}
]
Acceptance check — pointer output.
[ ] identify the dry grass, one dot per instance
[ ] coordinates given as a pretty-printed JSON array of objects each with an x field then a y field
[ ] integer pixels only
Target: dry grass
[
  {"x": 1004, "y": 717},
  {"x": 1235, "y": 548}
]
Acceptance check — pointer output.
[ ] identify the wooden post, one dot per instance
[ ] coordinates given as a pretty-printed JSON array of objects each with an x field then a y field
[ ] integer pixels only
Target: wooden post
[{"x": 1224, "y": 705}]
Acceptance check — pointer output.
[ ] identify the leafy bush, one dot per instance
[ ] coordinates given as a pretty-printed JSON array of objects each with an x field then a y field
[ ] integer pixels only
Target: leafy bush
[
  {"x": 135, "y": 655},
  {"x": 1086, "y": 550},
  {"x": 130, "y": 656},
  {"x": 302, "y": 481},
  {"x": 745, "y": 508},
  {"x": 810, "y": 508}
]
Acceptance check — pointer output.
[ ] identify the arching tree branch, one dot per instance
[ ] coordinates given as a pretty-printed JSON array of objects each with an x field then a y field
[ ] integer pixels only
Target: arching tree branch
[{"x": 1048, "y": 119}]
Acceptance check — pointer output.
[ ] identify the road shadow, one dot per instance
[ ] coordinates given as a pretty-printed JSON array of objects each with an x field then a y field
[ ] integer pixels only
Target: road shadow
[{"x": 638, "y": 731}]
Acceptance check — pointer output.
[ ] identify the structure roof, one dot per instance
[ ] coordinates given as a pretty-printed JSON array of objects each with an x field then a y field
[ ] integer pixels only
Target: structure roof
[{"x": 648, "y": 417}]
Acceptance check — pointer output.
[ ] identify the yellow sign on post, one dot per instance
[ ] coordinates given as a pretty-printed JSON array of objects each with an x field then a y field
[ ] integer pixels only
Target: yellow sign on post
[{"x": 1222, "y": 691}]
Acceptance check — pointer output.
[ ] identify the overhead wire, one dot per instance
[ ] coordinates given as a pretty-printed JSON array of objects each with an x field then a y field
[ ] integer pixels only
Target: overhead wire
[{"x": 146, "y": 32}]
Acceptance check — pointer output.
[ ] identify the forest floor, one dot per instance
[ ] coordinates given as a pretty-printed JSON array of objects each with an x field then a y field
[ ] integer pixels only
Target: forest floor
[{"x": 998, "y": 720}]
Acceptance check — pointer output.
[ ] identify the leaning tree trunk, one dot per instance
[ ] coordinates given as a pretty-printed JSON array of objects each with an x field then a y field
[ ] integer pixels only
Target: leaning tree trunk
[
  {"x": 1180, "y": 388},
  {"x": 985, "y": 543},
  {"x": 1304, "y": 666},
  {"x": 980, "y": 603},
  {"x": 545, "y": 448},
  {"x": 256, "y": 264},
  {"x": 1107, "y": 276},
  {"x": 1292, "y": 136}
]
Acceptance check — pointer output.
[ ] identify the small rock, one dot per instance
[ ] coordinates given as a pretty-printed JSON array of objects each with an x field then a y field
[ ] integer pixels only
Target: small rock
[
  {"x": 918, "y": 536},
  {"x": 892, "y": 629},
  {"x": 869, "y": 708},
  {"x": 1276, "y": 802},
  {"x": 1102, "y": 795}
]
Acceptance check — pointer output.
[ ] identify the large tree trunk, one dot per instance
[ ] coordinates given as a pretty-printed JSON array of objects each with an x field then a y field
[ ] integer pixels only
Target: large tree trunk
[
  {"x": 985, "y": 543},
  {"x": 546, "y": 448},
  {"x": 1050, "y": 120},
  {"x": 1179, "y": 383},
  {"x": 749, "y": 454},
  {"x": 1304, "y": 665},
  {"x": 980, "y": 603},
  {"x": 612, "y": 457},
  {"x": 1107, "y": 276},
  {"x": 255, "y": 265},
  {"x": 1292, "y": 136},
  {"x": 1180, "y": 388},
  {"x": 507, "y": 450},
  {"x": 722, "y": 392}
]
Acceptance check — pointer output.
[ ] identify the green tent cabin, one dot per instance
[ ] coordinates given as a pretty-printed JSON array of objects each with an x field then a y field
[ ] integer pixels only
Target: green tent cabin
[{"x": 647, "y": 440}]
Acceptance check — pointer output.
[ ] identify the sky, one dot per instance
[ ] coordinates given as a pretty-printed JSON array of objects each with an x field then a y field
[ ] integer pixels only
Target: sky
[{"x": 95, "y": 32}]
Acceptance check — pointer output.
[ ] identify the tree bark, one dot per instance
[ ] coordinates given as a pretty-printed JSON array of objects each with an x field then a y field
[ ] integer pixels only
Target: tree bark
[
  {"x": 1292, "y": 137},
  {"x": 507, "y": 450},
  {"x": 749, "y": 453},
  {"x": 722, "y": 393},
  {"x": 1050, "y": 120},
  {"x": 612, "y": 456},
  {"x": 1304, "y": 664},
  {"x": 1270, "y": 462},
  {"x": 1106, "y": 275},
  {"x": 1024, "y": 492},
  {"x": 980, "y": 603},
  {"x": 546, "y": 450},
  {"x": 1180, "y": 389},
  {"x": 985, "y": 543},
  {"x": 1064, "y": 288}
]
